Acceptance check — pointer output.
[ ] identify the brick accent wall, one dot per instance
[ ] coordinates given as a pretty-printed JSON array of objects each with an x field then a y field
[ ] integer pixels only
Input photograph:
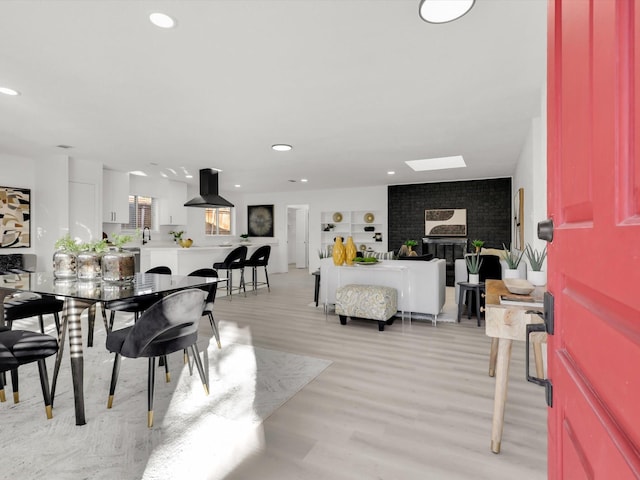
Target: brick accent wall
[{"x": 488, "y": 204}]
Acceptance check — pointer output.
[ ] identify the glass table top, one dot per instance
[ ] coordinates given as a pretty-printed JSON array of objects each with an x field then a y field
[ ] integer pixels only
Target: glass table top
[{"x": 143, "y": 284}]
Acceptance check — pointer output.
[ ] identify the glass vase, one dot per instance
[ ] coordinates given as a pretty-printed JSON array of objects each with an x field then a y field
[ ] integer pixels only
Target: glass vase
[
  {"x": 118, "y": 266},
  {"x": 88, "y": 266},
  {"x": 64, "y": 264}
]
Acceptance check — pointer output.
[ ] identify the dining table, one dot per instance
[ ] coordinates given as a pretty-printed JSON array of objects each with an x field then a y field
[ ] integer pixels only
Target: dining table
[{"x": 79, "y": 295}]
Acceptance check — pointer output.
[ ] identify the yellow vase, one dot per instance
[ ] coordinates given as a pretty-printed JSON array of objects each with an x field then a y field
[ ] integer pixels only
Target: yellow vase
[
  {"x": 338, "y": 252},
  {"x": 349, "y": 251}
]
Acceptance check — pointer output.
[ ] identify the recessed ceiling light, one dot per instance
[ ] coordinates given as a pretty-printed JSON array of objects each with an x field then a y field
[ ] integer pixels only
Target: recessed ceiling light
[
  {"x": 237, "y": 186},
  {"x": 162, "y": 20},
  {"x": 188, "y": 176},
  {"x": 162, "y": 174},
  {"x": 441, "y": 163},
  {"x": 9, "y": 91},
  {"x": 391, "y": 172},
  {"x": 281, "y": 147},
  {"x": 140, "y": 173},
  {"x": 443, "y": 11},
  {"x": 304, "y": 180}
]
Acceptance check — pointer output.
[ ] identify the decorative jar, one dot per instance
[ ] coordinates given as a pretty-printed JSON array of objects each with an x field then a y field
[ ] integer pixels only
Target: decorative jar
[
  {"x": 64, "y": 264},
  {"x": 88, "y": 266},
  {"x": 350, "y": 251},
  {"x": 118, "y": 266},
  {"x": 338, "y": 253}
]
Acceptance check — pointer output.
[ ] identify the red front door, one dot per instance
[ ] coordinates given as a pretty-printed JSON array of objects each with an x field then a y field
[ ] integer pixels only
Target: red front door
[{"x": 594, "y": 259}]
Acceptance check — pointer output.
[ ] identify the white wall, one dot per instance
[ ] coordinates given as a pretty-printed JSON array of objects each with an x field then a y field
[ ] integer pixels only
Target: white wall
[
  {"x": 531, "y": 174},
  {"x": 368, "y": 198}
]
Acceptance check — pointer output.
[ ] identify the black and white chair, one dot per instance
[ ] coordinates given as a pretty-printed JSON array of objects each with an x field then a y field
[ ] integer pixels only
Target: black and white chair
[
  {"x": 169, "y": 325},
  {"x": 19, "y": 347}
]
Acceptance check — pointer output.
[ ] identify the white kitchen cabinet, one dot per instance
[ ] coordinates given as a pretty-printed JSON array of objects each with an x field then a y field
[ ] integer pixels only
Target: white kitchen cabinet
[
  {"x": 172, "y": 209},
  {"x": 115, "y": 197}
]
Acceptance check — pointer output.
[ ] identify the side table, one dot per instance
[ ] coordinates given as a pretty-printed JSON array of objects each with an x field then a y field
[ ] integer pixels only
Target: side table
[{"x": 476, "y": 289}]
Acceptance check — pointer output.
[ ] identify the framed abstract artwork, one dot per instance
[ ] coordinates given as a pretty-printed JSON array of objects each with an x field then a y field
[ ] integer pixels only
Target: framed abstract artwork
[
  {"x": 260, "y": 220},
  {"x": 15, "y": 217},
  {"x": 450, "y": 222}
]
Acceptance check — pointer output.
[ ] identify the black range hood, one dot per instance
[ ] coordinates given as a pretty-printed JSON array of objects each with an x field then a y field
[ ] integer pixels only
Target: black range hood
[{"x": 208, "y": 197}]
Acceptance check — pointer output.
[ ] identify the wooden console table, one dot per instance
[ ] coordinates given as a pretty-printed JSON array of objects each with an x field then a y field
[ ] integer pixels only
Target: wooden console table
[{"x": 505, "y": 323}]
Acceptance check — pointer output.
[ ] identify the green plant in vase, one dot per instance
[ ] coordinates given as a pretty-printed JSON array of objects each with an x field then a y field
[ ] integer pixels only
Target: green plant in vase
[
  {"x": 477, "y": 244},
  {"x": 535, "y": 257},
  {"x": 409, "y": 250},
  {"x": 474, "y": 262},
  {"x": 536, "y": 275},
  {"x": 245, "y": 237},
  {"x": 177, "y": 235}
]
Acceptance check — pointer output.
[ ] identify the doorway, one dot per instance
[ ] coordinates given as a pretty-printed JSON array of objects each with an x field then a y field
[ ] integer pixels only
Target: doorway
[{"x": 298, "y": 236}]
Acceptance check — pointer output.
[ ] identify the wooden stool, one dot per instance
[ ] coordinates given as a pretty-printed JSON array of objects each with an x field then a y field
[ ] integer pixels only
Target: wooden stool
[{"x": 476, "y": 289}]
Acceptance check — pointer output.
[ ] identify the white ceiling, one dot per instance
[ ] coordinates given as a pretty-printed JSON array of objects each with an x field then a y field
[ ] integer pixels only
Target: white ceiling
[{"x": 356, "y": 86}]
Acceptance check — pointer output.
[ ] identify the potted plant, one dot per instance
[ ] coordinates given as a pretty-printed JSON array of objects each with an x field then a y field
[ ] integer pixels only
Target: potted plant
[
  {"x": 65, "y": 257},
  {"x": 410, "y": 244},
  {"x": 536, "y": 275},
  {"x": 477, "y": 244},
  {"x": 474, "y": 262},
  {"x": 177, "y": 235},
  {"x": 245, "y": 237},
  {"x": 513, "y": 262}
]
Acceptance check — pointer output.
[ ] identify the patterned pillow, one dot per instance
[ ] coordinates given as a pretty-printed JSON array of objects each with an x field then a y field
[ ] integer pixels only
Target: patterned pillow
[{"x": 384, "y": 255}]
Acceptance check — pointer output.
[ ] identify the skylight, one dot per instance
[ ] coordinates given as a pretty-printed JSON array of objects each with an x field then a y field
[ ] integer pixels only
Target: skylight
[{"x": 441, "y": 163}]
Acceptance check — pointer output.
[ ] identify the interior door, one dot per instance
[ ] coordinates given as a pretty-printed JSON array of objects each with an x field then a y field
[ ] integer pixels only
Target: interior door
[
  {"x": 594, "y": 258},
  {"x": 302, "y": 237}
]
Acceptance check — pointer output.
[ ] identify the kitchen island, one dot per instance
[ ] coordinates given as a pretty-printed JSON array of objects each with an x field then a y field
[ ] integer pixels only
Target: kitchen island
[{"x": 183, "y": 261}]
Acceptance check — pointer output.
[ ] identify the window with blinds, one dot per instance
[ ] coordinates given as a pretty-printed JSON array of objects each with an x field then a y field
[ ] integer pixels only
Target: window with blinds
[
  {"x": 140, "y": 212},
  {"x": 217, "y": 221}
]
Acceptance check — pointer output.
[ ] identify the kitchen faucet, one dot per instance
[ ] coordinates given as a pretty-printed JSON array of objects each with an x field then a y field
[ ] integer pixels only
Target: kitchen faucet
[{"x": 146, "y": 238}]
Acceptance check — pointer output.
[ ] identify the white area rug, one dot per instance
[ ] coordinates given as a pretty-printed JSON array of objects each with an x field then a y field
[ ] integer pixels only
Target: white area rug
[{"x": 194, "y": 436}]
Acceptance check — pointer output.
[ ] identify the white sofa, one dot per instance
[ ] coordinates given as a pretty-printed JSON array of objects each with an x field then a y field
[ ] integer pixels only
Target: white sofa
[
  {"x": 462, "y": 274},
  {"x": 421, "y": 285}
]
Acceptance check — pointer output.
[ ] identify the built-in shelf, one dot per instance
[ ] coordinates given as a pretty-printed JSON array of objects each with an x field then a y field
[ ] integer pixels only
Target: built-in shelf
[{"x": 353, "y": 224}]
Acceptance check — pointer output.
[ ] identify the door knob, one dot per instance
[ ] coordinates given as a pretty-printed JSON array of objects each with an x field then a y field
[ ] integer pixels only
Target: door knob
[{"x": 545, "y": 230}]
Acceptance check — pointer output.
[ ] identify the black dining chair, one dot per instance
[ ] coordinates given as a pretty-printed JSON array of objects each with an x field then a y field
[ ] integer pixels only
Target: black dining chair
[
  {"x": 22, "y": 306},
  {"x": 259, "y": 258},
  {"x": 211, "y": 290},
  {"x": 135, "y": 306},
  {"x": 167, "y": 326},
  {"x": 19, "y": 347},
  {"x": 234, "y": 261}
]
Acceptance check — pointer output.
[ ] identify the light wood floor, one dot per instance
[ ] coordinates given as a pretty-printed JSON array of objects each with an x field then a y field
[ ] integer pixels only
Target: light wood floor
[{"x": 408, "y": 403}]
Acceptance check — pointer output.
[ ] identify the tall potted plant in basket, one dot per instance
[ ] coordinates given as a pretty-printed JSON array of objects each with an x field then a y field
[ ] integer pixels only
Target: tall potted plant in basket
[
  {"x": 513, "y": 262},
  {"x": 474, "y": 262},
  {"x": 536, "y": 275}
]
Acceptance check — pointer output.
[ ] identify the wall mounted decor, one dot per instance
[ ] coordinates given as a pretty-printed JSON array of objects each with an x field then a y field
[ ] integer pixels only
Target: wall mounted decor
[
  {"x": 518, "y": 223},
  {"x": 260, "y": 220},
  {"x": 15, "y": 217},
  {"x": 445, "y": 222}
]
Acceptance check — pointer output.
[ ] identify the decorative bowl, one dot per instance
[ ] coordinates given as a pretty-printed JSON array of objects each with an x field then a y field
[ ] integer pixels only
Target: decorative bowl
[
  {"x": 185, "y": 242},
  {"x": 519, "y": 286}
]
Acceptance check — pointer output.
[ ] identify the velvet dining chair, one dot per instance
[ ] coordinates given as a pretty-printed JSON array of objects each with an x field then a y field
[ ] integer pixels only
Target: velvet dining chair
[{"x": 167, "y": 326}]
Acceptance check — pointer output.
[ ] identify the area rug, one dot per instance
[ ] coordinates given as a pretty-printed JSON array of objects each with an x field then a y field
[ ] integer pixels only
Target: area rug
[{"x": 194, "y": 436}]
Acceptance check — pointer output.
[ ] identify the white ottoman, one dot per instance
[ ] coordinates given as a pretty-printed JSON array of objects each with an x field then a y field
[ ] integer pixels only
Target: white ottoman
[{"x": 373, "y": 302}]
